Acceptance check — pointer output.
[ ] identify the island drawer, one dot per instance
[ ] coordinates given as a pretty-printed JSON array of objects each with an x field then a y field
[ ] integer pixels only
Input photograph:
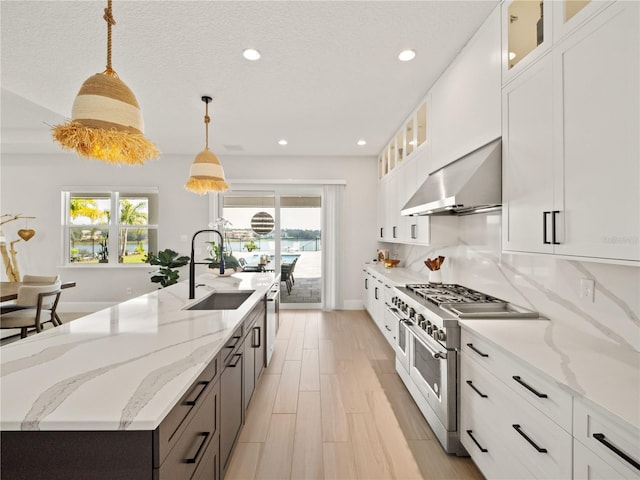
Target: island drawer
[
  {"x": 176, "y": 421},
  {"x": 195, "y": 443},
  {"x": 232, "y": 344}
]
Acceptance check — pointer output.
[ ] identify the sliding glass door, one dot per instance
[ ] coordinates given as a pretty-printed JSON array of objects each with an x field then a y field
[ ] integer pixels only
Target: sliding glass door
[{"x": 280, "y": 232}]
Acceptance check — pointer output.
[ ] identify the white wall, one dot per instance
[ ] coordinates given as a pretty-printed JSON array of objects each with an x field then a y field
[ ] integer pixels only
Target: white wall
[
  {"x": 543, "y": 283},
  {"x": 31, "y": 185}
]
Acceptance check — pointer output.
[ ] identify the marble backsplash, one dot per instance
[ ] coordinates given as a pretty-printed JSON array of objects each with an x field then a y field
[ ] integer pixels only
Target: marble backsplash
[{"x": 551, "y": 286}]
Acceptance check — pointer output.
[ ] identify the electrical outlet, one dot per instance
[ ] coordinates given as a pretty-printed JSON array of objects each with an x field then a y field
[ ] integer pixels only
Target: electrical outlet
[{"x": 587, "y": 289}]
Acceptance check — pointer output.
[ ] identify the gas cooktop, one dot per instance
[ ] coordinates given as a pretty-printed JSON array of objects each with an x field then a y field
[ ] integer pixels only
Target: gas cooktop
[{"x": 439, "y": 294}]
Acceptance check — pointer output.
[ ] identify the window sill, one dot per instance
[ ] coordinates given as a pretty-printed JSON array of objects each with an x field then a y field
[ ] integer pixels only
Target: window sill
[{"x": 106, "y": 265}]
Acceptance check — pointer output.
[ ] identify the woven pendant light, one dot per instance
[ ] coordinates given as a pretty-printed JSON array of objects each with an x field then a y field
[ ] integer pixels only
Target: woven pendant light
[
  {"x": 106, "y": 121},
  {"x": 206, "y": 173}
]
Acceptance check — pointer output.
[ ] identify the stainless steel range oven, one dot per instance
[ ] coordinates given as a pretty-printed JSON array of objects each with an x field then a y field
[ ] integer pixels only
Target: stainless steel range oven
[{"x": 428, "y": 345}]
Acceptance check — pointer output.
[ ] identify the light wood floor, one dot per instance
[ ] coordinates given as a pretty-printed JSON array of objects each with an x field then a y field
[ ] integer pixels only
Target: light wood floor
[{"x": 330, "y": 406}]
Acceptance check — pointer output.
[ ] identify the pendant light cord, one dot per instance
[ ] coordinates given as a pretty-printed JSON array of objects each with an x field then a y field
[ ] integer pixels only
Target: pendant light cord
[
  {"x": 207, "y": 119},
  {"x": 108, "y": 17}
]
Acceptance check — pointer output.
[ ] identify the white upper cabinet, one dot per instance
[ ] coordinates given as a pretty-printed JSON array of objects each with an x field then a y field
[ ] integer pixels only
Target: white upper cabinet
[
  {"x": 465, "y": 101},
  {"x": 571, "y": 14},
  {"x": 528, "y": 161},
  {"x": 571, "y": 144},
  {"x": 598, "y": 85},
  {"x": 526, "y": 34}
]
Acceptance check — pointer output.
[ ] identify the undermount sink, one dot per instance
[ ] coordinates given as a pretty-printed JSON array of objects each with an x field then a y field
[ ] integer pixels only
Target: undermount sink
[{"x": 222, "y": 300}]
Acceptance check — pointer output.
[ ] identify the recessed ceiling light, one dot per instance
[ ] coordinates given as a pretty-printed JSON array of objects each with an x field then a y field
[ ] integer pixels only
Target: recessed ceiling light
[
  {"x": 282, "y": 142},
  {"x": 407, "y": 55},
  {"x": 251, "y": 54},
  {"x": 362, "y": 142}
]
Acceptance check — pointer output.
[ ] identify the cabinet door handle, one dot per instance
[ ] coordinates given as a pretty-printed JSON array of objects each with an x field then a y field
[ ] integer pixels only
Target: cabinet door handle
[
  {"x": 194, "y": 459},
  {"x": 470, "y": 433},
  {"x": 554, "y": 215},
  {"x": 366, "y": 284},
  {"x": 476, "y": 389},
  {"x": 470, "y": 345},
  {"x": 387, "y": 327},
  {"x": 200, "y": 386},
  {"x": 526, "y": 437},
  {"x": 529, "y": 387},
  {"x": 544, "y": 228},
  {"x": 602, "y": 439},
  {"x": 376, "y": 293},
  {"x": 394, "y": 232},
  {"x": 254, "y": 343},
  {"x": 414, "y": 228},
  {"x": 381, "y": 232},
  {"x": 237, "y": 357}
]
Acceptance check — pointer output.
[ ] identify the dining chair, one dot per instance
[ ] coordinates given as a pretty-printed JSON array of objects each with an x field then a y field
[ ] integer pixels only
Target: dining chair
[
  {"x": 37, "y": 301},
  {"x": 44, "y": 279},
  {"x": 285, "y": 276}
]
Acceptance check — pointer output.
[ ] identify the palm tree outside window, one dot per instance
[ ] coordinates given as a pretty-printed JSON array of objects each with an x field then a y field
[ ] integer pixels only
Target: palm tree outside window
[{"x": 93, "y": 235}]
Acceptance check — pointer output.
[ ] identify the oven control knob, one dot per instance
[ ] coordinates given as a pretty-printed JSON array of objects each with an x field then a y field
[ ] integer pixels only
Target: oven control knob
[
  {"x": 430, "y": 328},
  {"x": 412, "y": 312},
  {"x": 420, "y": 320},
  {"x": 440, "y": 336}
]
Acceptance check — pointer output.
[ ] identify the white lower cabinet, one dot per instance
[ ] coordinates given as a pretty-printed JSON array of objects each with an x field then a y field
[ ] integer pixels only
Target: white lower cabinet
[
  {"x": 604, "y": 448},
  {"x": 523, "y": 440},
  {"x": 517, "y": 423},
  {"x": 588, "y": 466}
]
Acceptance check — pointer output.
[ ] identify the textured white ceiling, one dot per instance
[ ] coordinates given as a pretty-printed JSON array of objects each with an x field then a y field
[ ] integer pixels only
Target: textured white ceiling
[{"x": 329, "y": 72}]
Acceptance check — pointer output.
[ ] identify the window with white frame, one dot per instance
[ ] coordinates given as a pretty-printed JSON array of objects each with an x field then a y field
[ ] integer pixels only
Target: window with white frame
[{"x": 110, "y": 226}]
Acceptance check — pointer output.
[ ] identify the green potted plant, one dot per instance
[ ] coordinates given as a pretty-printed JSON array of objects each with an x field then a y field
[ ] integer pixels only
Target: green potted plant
[
  {"x": 230, "y": 262},
  {"x": 250, "y": 246},
  {"x": 168, "y": 260}
]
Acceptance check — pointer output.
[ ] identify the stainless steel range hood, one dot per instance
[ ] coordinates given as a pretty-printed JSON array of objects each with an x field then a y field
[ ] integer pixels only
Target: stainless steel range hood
[{"x": 471, "y": 184}]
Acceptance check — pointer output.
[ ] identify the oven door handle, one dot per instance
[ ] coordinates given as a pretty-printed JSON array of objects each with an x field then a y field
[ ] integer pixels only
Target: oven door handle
[{"x": 434, "y": 354}]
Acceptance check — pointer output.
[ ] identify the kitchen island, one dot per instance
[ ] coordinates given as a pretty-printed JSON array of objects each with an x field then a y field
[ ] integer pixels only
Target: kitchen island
[{"x": 94, "y": 393}]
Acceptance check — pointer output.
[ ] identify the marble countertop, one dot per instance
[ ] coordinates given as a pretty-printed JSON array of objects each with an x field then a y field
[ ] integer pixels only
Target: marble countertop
[
  {"x": 396, "y": 275},
  {"x": 590, "y": 366},
  {"x": 124, "y": 367}
]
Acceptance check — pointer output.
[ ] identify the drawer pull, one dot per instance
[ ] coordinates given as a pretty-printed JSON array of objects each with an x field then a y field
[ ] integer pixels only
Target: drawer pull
[
  {"x": 387, "y": 327},
  {"x": 470, "y": 433},
  {"x": 234, "y": 345},
  {"x": 470, "y": 345},
  {"x": 475, "y": 389},
  {"x": 529, "y": 387},
  {"x": 254, "y": 343},
  {"x": 202, "y": 387},
  {"x": 194, "y": 459},
  {"x": 602, "y": 439},
  {"x": 526, "y": 437},
  {"x": 237, "y": 356}
]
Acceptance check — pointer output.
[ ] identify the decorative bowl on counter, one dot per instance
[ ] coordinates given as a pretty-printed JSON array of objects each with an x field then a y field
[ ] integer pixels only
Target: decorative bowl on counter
[{"x": 389, "y": 263}]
